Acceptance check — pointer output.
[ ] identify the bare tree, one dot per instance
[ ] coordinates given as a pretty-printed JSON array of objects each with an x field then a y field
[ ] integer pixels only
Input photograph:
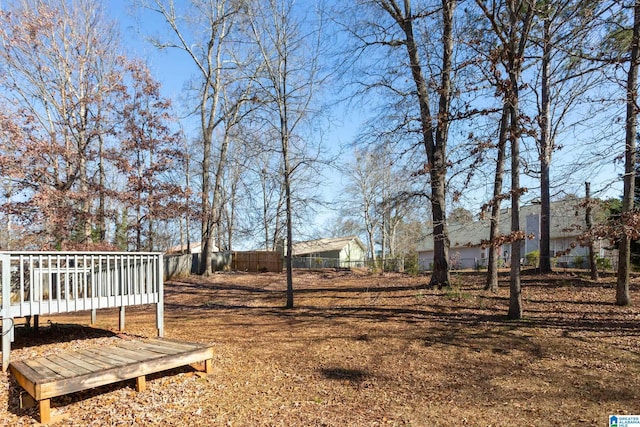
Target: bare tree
[
  {"x": 290, "y": 47},
  {"x": 588, "y": 219},
  {"x": 489, "y": 52},
  {"x": 363, "y": 194},
  {"x": 511, "y": 22},
  {"x": 203, "y": 32},
  {"x": 396, "y": 27},
  {"x": 267, "y": 168},
  {"x": 565, "y": 80},
  {"x": 629, "y": 217}
]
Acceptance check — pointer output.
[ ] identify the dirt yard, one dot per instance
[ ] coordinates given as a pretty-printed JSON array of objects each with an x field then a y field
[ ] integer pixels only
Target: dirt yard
[{"x": 364, "y": 350}]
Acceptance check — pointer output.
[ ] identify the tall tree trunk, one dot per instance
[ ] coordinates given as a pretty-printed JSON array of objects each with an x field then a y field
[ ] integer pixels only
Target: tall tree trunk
[
  {"x": 265, "y": 211},
  {"x": 515, "y": 290},
  {"x": 372, "y": 243},
  {"x": 494, "y": 233},
  {"x": 440, "y": 275},
  {"x": 383, "y": 241},
  {"x": 102, "y": 217},
  {"x": 514, "y": 35},
  {"x": 439, "y": 175},
  {"x": 592, "y": 253},
  {"x": 624, "y": 253},
  {"x": 435, "y": 146},
  {"x": 85, "y": 204},
  {"x": 517, "y": 44},
  {"x": 278, "y": 223},
  {"x": 151, "y": 209},
  {"x": 187, "y": 203},
  {"x": 287, "y": 188},
  {"x": 546, "y": 145},
  {"x": 208, "y": 123},
  {"x": 207, "y": 210},
  {"x": 139, "y": 204}
]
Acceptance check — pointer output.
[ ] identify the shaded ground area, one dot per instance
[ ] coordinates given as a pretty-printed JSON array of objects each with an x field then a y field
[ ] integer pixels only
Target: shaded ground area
[{"x": 365, "y": 350}]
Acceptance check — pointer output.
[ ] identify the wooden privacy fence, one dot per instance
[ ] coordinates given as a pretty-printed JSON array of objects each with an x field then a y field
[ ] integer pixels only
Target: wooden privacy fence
[
  {"x": 257, "y": 261},
  {"x": 36, "y": 283}
]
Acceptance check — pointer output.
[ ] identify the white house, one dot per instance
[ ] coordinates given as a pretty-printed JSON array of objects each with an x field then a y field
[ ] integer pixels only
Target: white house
[
  {"x": 334, "y": 252},
  {"x": 466, "y": 240}
]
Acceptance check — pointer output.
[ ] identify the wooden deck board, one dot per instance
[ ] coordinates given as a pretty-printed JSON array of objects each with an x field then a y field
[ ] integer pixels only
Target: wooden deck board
[
  {"x": 117, "y": 359},
  {"x": 173, "y": 344},
  {"x": 54, "y": 364},
  {"x": 75, "y": 358},
  {"x": 158, "y": 350},
  {"x": 100, "y": 360},
  {"x": 95, "y": 360},
  {"x": 132, "y": 355},
  {"x": 74, "y": 368},
  {"x": 64, "y": 373},
  {"x": 44, "y": 372}
]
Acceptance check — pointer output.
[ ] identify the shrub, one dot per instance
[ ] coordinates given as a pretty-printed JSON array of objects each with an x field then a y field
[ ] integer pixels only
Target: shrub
[
  {"x": 533, "y": 258},
  {"x": 603, "y": 263},
  {"x": 411, "y": 265},
  {"x": 579, "y": 261}
]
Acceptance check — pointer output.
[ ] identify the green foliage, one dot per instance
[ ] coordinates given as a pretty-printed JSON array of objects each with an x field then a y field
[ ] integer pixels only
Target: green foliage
[
  {"x": 95, "y": 234},
  {"x": 453, "y": 292},
  {"x": 618, "y": 34},
  {"x": 77, "y": 233},
  {"x": 613, "y": 207},
  {"x": 121, "y": 240},
  {"x": 603, "y": 263},
  {"x": 579, "y": 261},
  {"x": 533, "y": 258},
  {"x": 411, "y": 265},
  {"x": 618, "y": 41}
]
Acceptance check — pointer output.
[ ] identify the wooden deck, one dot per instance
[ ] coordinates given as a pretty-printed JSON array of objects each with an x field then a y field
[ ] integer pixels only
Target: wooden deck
[{"x": 64, "y": 373}]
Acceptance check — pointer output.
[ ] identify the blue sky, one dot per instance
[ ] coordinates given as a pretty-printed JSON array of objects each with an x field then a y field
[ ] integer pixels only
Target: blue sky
[{"x": 172, "y": 69}]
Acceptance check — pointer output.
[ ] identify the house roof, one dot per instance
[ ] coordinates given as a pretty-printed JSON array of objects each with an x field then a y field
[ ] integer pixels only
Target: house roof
[
  {"x": 324, "y": 245},
  {"x": 567, "y": 220}
]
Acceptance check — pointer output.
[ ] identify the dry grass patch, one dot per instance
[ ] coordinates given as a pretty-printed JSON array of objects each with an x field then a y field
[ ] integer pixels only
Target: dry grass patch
[{"x": 366, "y": 350}]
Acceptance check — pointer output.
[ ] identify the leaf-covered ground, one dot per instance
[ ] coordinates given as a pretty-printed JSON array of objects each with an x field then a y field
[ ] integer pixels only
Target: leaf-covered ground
[{"x": 363, "y": 350}]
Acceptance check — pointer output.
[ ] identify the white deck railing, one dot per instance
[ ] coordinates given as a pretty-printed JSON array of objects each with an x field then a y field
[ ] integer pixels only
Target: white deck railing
[{"x": 43, "y": 283}]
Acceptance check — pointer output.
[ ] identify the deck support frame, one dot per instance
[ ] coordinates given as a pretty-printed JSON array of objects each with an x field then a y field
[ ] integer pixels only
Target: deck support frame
[{"x": 64, "y": 373}]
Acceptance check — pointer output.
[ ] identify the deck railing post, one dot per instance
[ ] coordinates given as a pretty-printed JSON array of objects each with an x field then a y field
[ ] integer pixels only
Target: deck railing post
[
  {"x": 121, "y": 319},
  {"x": 60, "y": 282},
  {"x": 5, "y": 315},
  {"x": 160, "y": 290}
]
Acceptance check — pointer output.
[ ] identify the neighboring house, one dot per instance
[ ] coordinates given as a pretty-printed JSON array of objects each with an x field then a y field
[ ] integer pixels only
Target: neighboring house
[
  {"x": 336, "y": 252},
  {"x": 567, "y": 223}
]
